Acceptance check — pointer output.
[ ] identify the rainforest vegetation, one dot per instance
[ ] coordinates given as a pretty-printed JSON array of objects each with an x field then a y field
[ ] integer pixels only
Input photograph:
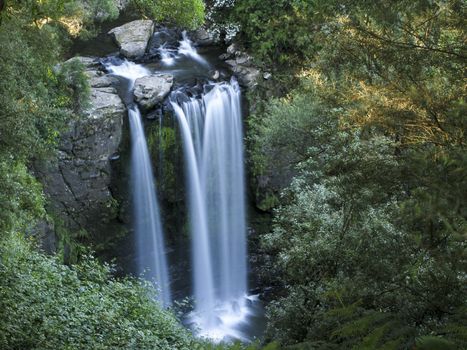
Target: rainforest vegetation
[{"x": 360, "y": 135}]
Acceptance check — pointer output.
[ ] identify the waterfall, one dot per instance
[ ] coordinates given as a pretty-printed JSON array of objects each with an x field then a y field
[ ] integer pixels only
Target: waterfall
[
  {"x": 202, "y": 262},
  {"x": 150, "y": 239},
  {"x": 128, "y": 70},
  {"x": 169, "y": 56},
  {"x": 210, "y": 125},
  {"x": 187, "y": 49},
  {"x": 148, "y": 228},
  {"x": 211, "y": 129}
]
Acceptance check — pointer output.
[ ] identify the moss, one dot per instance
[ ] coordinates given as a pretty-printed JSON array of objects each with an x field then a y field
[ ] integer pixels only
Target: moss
[
  {"x": 269, "y": 202},
  {"x": 69, "y": 247},
  {"x": 166, "y": 151},
  {"x": 113, "y": 207},
  {"x": 167, "y": 139}
]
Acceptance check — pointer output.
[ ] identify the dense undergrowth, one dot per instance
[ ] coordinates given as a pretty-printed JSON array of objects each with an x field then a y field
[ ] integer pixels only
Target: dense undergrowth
[{"x": 48, "y": 305}]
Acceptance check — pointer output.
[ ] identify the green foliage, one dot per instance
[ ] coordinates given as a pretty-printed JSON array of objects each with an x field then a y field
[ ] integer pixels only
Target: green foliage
[
  {"x": 294, "y": 32},
  {"x": 86, "y": 15},
  {"x": 69, "y": 248},
  {"x": 47, "y": 305},
  {"x": 32, "y": 106},
  {"x": 364, "y": 267},
  {"x": 183, "y": 13},
  {"x": 78, "y": 18},
  {"x": 100, "y": 10},
  {"x": 36, "y": 102},
  {"x": 434, "y": 343},
  {"x": 278, "y": 32},
  {"x": 38, "y": 11},
  {"x": 21, "y": 198},
  {"x": 268, "y": 203},
  {"x": 355, "y": 274},
  {"x": 75, "y": 83},
  {"x": 369, "y": 236}
]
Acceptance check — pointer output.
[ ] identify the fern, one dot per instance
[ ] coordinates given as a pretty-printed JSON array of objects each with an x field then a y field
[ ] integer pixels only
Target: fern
[
  {"x": 434, "y": 343},
  {"x": 391, "y": 345},
  {"x": 360, "y": 326},
  {"x": 374, "y": 338},
  {"x": 344, "y": 312},
  {"x": 456, "y": 330}
]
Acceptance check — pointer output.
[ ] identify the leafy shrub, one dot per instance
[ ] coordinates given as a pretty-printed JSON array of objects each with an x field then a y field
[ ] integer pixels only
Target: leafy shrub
[
  {"x": 360, "y": 266},
  {"x": 47, "y": 305},
  {"x": 21, "y": 197},
  {"x": 369, "y": 237},
  {"x": 75, "y": 83},
  {"x": 184, "y": 13}
]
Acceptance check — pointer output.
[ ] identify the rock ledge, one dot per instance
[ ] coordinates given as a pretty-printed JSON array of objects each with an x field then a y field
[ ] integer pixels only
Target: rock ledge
[
  {"x": 152, "y": 89},
  {"x": 133, "y": 37}
]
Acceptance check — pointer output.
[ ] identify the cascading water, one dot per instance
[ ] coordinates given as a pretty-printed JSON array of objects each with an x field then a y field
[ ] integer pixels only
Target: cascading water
[
  {"x": 169, "y": 56},
  {"x": 128, "y": 70},
  {"x": 151, "y": 255},
  {"x": 211, "y": 129},
  {"x": 210, "y": 124},
  {"x": 149, "y": 234},
  {"x": 204, "y": 284},
  {"x": 187, "y": 49}
]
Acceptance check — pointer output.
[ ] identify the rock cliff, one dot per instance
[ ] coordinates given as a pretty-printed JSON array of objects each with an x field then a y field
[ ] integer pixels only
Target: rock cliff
[{"x": 77, "y": 182}]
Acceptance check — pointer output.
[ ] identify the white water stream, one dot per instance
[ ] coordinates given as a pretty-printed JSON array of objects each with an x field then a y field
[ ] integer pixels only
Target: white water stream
[
  {"x": 151, "y": 257},
  {"x": 211, "y": 129},
  {"x": 186, "y": 49}
]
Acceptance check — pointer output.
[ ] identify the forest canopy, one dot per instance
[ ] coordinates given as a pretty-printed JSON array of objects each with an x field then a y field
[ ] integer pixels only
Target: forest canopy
[{"x": 369, "y": 235}]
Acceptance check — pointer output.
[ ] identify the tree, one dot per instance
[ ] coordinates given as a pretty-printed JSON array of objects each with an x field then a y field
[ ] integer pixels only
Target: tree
[
  {"x": 378, "y": 152},
  {"x": 183, "y": 13},
  {"x": 359, "y": 269}
]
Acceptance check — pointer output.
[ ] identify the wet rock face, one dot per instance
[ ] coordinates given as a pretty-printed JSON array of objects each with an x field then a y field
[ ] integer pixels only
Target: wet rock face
[
  {"x": 202, "y": 37},
  {"x": 122, "y": 4},
  {"x": 152, "y": 89},
  {"x": 164, "y": 37},
  {"x": 133, "y": 37},
  {"x": 242, "y": 66},
  {"x": 77, "y": 182},
  {"x": 247, "y": 76}
]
